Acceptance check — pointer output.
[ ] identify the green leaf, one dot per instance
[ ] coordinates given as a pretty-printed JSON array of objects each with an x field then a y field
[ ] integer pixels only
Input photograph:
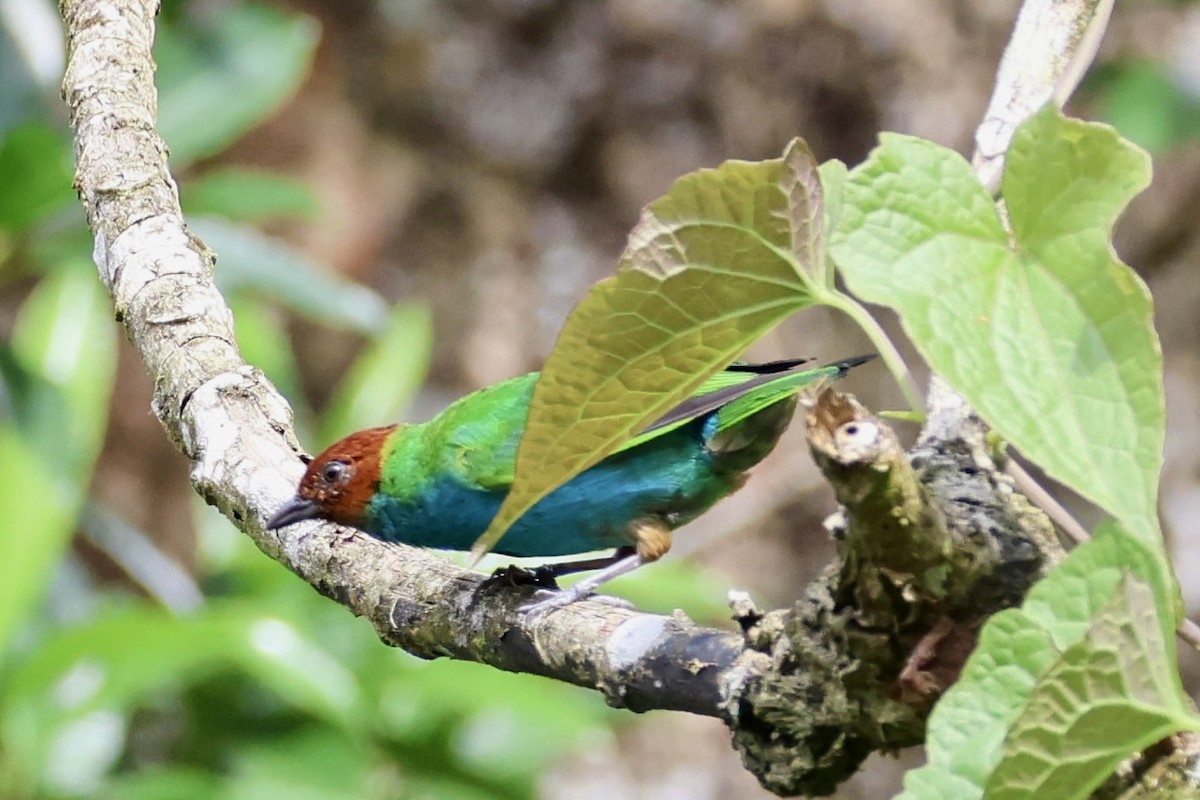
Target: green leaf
[
  {"x": 264, "y": 342},
  {"x": 249, "y": 260},
  {"x": 34, "y": 405},
  {"x": 1113, "y": 693},
  {"x": 299, "y": 668},
  {"x": 65, "y": 335},
  {"x": 40, "y": 518},
  {"x": 158, "y": 782},
  {"x": 248, "y": 195},
  {"x": 310, "y": 764},
  {"x": 721, "y": 258},
  {"x": 967, "y": 727},
  {"x": 1082, "y": 585},
  {"x": 1031, "y": 659},
  {"x": 222, "y": 76},
  {"x": 35, "y": 171},
  {"x": 1044, "y": 331},
  {"x": 115, "y": 662},
  {"x": 59, "y": 375},
  {"x": 432, "y": 786},
  {"x": 385, "y": 377},
  {"x": 1149, "y": 106},
  {"x": 417, "y": 702}
]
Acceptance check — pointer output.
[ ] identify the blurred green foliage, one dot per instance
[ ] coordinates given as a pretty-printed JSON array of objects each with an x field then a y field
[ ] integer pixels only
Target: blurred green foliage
[{"x": 1148, "y": 104}]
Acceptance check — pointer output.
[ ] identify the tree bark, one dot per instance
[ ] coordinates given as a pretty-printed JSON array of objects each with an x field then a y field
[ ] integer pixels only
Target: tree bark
[
  {"x": 236, "y": 430},
  {"x": 930, "y": 543}
]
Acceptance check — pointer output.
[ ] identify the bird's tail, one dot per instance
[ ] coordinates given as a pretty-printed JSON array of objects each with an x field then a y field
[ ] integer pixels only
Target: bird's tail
[
  {"x": 759, "y": 387},
  {"x": 747, "y": 399}
]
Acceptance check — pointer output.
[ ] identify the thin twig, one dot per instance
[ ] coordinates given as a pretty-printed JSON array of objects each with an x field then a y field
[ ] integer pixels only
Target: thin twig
[
  {"x": 1046, "y": 502},
  {"x": 1187, "y": 631}
]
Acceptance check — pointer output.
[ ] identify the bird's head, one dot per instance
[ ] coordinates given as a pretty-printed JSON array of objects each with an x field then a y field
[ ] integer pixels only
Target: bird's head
[{"x": 338, "y": 483}]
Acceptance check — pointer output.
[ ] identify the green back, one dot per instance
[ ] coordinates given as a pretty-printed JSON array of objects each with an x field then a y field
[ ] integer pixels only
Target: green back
[{"x": 476, "y": 437}]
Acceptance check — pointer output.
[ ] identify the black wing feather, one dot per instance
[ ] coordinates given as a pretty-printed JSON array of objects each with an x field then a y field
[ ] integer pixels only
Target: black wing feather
[{"x": 702, "y": 404}]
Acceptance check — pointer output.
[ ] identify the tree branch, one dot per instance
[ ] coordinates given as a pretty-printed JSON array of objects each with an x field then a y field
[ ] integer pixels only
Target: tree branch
[
  {"x": 929, "y": 544},
  {"x": 1053, "y": 44},
  {"x": 236, "y": 430}
]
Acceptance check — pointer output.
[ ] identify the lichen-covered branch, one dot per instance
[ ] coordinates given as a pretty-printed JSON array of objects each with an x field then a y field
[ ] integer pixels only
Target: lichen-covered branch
[{"x": 929, "y": 545}]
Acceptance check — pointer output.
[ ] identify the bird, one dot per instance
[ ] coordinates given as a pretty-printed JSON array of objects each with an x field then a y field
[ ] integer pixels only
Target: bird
[{"x": 438, "y": 484}]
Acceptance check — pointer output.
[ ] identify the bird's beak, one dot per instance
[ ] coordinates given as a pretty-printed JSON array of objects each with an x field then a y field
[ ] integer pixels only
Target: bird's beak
[{"x": 295, "y": 510}]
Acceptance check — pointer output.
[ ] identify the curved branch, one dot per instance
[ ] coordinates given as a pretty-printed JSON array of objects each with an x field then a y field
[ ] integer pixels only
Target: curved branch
[{"x": 236, "y": 430}]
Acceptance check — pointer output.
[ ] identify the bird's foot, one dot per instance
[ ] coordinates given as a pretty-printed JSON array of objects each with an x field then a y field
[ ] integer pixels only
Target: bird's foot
[
  {"x": 552, "y": 601},
  {"x": 543, "y": 577},
  {"x": 546, "y": 600}
]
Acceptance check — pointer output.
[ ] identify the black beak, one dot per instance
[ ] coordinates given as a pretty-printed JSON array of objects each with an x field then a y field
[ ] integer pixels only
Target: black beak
[{"x": 295, "y": 510}]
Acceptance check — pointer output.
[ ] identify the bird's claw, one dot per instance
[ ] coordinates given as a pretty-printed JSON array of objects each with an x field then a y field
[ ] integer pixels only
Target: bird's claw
[
  {"x": 546, "y": 600},
  {"x": 513, "y": 575}
]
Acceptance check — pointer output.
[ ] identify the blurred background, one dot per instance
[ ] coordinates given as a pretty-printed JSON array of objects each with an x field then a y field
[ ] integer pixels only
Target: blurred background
[{"x": 406, "y": 198}]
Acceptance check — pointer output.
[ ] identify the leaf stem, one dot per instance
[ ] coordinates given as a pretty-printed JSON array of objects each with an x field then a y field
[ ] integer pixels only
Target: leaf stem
[
  {"x": 1187, "y": 630},
  {"x": 883, "y": 343}
]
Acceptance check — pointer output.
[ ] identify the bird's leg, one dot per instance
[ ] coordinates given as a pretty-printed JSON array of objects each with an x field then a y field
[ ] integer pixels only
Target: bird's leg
[
  {"x": 585, "y": 564},
  {"x": 545, "y": 575},
  {"x": 550, "y": 600},
  {"x": 652, "y": 540}
]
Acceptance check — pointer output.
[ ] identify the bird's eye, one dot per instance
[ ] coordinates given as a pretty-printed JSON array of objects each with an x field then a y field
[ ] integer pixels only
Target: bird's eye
[{"x": 334, "y": 472}]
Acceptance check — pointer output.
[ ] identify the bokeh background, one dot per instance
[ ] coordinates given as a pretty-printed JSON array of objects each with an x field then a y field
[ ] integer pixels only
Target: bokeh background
[{"x": 406, "y": 198}]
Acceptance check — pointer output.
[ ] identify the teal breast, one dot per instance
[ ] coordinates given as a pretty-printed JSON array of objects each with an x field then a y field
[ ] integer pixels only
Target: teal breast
[{"x": 673, "y": 477}]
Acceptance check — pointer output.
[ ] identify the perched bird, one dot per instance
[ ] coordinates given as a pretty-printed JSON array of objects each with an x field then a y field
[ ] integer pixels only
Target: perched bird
[{"x": 439, "y": 483}]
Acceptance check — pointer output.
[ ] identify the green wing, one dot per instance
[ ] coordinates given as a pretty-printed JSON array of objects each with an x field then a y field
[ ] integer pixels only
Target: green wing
[
  {"x": 476, "y": 437},
  {"x": 740, "y": 392}
]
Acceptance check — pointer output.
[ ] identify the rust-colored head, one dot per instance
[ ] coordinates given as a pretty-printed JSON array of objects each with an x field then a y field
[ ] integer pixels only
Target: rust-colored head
[{"x": 339, "y": 482}]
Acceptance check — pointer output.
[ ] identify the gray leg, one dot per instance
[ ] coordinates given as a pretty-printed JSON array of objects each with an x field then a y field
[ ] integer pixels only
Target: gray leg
[{"x": 549, "y": 601}]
